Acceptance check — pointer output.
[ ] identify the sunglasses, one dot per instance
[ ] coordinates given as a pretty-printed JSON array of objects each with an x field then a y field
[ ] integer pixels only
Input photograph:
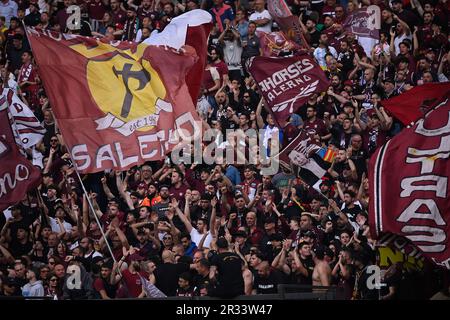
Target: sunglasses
[{"x": 53, "y": 280}]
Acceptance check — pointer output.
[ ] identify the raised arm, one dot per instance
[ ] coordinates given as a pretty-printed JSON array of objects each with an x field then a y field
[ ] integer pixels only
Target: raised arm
[
  {"x": 259, "y": 119},
  {"x": 182, "y": 217}
]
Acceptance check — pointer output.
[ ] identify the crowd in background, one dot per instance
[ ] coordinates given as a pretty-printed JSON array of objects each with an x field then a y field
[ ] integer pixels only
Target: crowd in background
[{"x": 223, "y": 230}]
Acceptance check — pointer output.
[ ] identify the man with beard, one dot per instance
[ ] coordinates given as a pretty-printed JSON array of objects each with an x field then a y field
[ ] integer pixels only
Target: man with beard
[
  {"x": 310, "y": 31},
  {"x": 119, "y": 16},
  {"x": 221, "y": 66},
  {"x": 315, "y": 125},
  {"x": 144, "y": 10},
  {"x": 132, "y": 25},
  {"x": 342, "y": 132},
  {"x": 338, "y": 36},
  {"x": 162, "y": 206},
  {"x": 324, "y": 49}
]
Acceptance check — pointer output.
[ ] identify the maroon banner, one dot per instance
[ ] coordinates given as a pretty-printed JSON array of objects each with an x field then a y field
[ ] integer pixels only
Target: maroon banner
[
  {"x": 411, "y": 105},
  {"x": 117, "y": 104},
  {"x": 17, "y": 174},
  {"x": 409, "y": 185},
  {"x": 274, "y": 44},
  {"x": 364, "y": 22},
  {"x": 289, "y": 23},
  {"x": 286, "y": 83}
]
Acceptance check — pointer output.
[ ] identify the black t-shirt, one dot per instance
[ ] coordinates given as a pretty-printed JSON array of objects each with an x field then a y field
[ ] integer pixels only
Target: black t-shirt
[
  {"x": 359, "y": 159},
  {"x": 199, "y": 280},
  {"x": 167, "y": 274},
  {"x": 352, "y": 212},
  {"x": 314, "y": 38},
  {"x": 17, "y": 249},
  {"x": 229, "y": 278},
  {"x": 268, "y": 285},
  {"x": 308, "y": 263}
]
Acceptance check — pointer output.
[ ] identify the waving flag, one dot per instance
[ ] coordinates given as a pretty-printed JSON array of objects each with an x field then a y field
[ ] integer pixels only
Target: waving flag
[
  {"x": 274, "y": 44},
  {"x": 306, "y": 156},
  {"x": 413, "y": 201},
  {"x": 411, "y": 105},
  {"x": 28, "y": 130},
  {"x": 17, "y": 174},
  {"x": 191, "y": 28},
  {"x": 289, "y": 23},
  {"x": 117, "y": 104},
  {"x": 286, "y": 83}
]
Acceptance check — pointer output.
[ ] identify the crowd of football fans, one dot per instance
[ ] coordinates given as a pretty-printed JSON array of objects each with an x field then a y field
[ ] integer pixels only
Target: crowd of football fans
[{"x": 222, "y": 230}]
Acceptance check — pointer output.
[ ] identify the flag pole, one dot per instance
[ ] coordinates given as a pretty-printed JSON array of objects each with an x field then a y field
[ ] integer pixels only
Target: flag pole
[
  {"x": 78, "y": 175},
  {"x": 91, "y": 206}
]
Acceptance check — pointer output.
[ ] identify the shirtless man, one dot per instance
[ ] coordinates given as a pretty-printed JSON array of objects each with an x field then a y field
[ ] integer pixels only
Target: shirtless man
[{"x": 322, "y": 272}]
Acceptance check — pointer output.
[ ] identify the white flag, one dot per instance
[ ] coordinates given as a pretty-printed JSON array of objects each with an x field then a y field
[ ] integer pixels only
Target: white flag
[{"x": 26, "y": 127}]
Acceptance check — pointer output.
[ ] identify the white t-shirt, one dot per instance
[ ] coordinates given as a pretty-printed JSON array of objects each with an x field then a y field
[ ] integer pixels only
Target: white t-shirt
[
  {"x": 232, "y": 54},
  {"x": 55, "y": 226},
  {"x": 319, "y": 54},
  {"x": 197, "y": 237},
  {"x": 262, "y": 15}
]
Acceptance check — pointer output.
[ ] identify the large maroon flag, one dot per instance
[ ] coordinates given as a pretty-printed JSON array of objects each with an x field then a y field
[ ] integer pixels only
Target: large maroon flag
[
  {"x": 411, "y": 105},
  {"x": 410, "y": 187},
  {"x": 117, "y": 104},
  {"x": 286, "y": 83},
  {"x": 17, "y": 174}
]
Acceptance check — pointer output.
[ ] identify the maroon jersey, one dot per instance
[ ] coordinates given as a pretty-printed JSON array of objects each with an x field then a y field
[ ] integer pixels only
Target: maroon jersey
[
  {"x": 96, "y": 9},
  {"x": 28, "y": 73},
  {"x": 316, "y": 127},
  {"x": 119, "y": 17}
]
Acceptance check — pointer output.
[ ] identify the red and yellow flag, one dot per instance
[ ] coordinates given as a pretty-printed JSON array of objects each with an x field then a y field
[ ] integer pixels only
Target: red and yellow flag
[{"x": 117, "y": 104}]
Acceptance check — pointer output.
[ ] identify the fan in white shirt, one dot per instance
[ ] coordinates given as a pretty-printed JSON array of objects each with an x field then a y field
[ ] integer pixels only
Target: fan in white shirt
[{"x": 261, "y": 17}]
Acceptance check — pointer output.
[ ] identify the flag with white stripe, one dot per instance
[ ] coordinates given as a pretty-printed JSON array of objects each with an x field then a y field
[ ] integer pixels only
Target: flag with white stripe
[
  {"x": 27, "y": 129},
  {"x": 409, "y": 184},
  {"x": 304, "y": 155}
]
